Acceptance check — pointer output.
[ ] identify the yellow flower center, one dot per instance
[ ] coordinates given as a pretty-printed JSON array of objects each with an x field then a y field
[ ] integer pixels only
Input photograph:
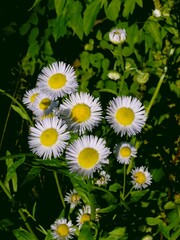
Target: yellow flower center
[
  {"x": 140, "y": 177},
  {"x": 75, "y": 198},
  {"x": 125, "y": 152},
  {"x": 57, "y": 81},
  {"x": 32, "y": 98},
  {"x": 88, "y": 158},
  {"x": 86, "y": 217},
  {"x": 63, "y": 230},
  {"x": 44, "y": 104},
  {"x": 125, "y": 116},
  {"x": 49, "y": 137},
  {"x": 80, "y": 113}
]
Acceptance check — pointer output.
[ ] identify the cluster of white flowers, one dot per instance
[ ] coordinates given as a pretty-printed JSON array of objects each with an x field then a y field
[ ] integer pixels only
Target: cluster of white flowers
[{"x": 59, "y": 110}]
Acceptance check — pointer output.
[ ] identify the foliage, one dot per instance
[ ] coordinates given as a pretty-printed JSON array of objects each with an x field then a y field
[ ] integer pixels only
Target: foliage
[{"x": 77, "y": 32}]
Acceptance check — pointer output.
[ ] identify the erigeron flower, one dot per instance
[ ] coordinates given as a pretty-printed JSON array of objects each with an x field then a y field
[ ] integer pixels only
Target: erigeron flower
[
  {"x": 57, "y": 80},
  {"x": 73, "y": 198},
  {"x": 29, "y": 97},
  {"x": 141, "y": 177},
  {"x": 43, "y": 105},
  {"x": 126, "y": 115},
  {"x": 157, "y": 13},
  {"x": 84, "y": 215},
  {"x": 114, "y": 75},
  {"x": 124, "y": 152},
  {"x": 62, "y": 229},
  {"x": 117, "y": 36},
  {"x": 86, "y": 155},
  {"x": 48, "y": 138},
  {"x": 81, "y": 112},
  {"x": 104, "y": 179}
]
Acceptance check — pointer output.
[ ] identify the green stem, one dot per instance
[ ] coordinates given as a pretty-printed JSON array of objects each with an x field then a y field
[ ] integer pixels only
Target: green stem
[
  {"x": 124, "y": 181},
  {"x": 156, "y": 91},
  {"x": 128, "y": 193},
  {"x": 59, "y": 189},
  {"x": 20, "y": 210}
]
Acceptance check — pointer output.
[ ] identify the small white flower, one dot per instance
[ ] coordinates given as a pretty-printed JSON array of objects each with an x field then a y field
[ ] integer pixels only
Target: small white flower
[
  {"x": 29, "y": 97},
  {"x": 81, "y": 112},
  {"x": 43, "y": 105},
  {"x": 84, "y": 215},
  {"x": 125, "y": 151},
  {"x": 117, "y": 36},
  {"x": 104, "y": 179},
  {"x": 126, "y": 115},
  {"x": 141, "y": 177},
  {"x": 62, "y": 229},
  {"x": 157, "y": 13},
  {"x": 72, "y": 198},
  {"x": 48, "y": 138},
  {"x": 114, "y": 75},
  {"x": 57, "y": 79},
  {"x": 86, "y": 155}
]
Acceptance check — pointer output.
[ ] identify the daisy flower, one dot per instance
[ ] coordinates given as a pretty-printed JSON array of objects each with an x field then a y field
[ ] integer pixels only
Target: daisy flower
[
  {"x": 72, "y": 198},
  {"x": 81, "y": 111},
  {"x": 84, "y": 215},
  {"x": 124, "y": 152},
  {"x": 104, "y": 179},
  {"x": 141, "y": 177},
  {"x": 29, "y": 97},
  {"x": 62, "y": 229},
  {"x": 48, "y": 138},
  {"x": 43, "y": 105},
  {"x": 57, "y": 79},
  {"x": 126, "y": 115},
  {"x": 86, "y": 155},
  {"x": 117, "y": 36}
]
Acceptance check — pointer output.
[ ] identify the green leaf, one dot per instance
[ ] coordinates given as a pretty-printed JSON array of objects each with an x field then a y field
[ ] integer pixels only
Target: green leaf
[
  {"x": 33, "y": 35},
  {"x": 110, "y": 208},
  {"x": 129, "y": 6},
  {"x": 170, "y": 205},
  {"x": 139, "y": 2},
  {"x": 114, "y": 187},
  {"x": 157, "y": 174},
  {"x": 59, "y": 6},
  {"x": 59, "y": 26},
  {"x": 153, "y": 30},
  {"x": 49, "y": 236},
  {"x": 90, "y": 15},
  {"x": 75, "y": 19},
  {"x": 176, "y": 233},
  {"x": 20, "y": 111},
  {"x": 32, "y": 174},
  {"x": 137, "y": 195},
  {"x": 164, "y": 229},
  {"x": 22, "y": 234},
  {"x": 153, "y": 221},
  {"x": 86, "y": 232},
  {"x": 112, "y": 11}
]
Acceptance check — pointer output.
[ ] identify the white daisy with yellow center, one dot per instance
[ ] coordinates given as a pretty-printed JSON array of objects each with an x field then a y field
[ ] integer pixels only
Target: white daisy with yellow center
[
  {"x": 104, "y": 178},
  {"x": 81, "y": 111},
  {"x": 29, "y": 97},
  {"x": 141, "y": 177},
  {"x": 57, "y": 79},
  {"x": 117, "y": 36},
  {"x": 43, "y": 105},
  {"x": 48, "y": 138},
  {"x": 62, "y": 229},
  {"x": 125, "y": 151},
  {"x": 126, "y": 115},
  {"x": 84, "y": 215},
  {"x": 73, "y": 198},
  {"x": 86, "y": 155}
]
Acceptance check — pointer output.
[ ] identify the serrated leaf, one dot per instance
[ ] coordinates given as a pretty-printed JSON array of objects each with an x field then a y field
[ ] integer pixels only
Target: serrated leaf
[
  {"x": 20, "y": 111},
  {"x": 112, "y": 11},
  {"x": 59, "y": 27},
  {"x": 90, "y": 15},
  {"x": 129, "y": 6}
]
